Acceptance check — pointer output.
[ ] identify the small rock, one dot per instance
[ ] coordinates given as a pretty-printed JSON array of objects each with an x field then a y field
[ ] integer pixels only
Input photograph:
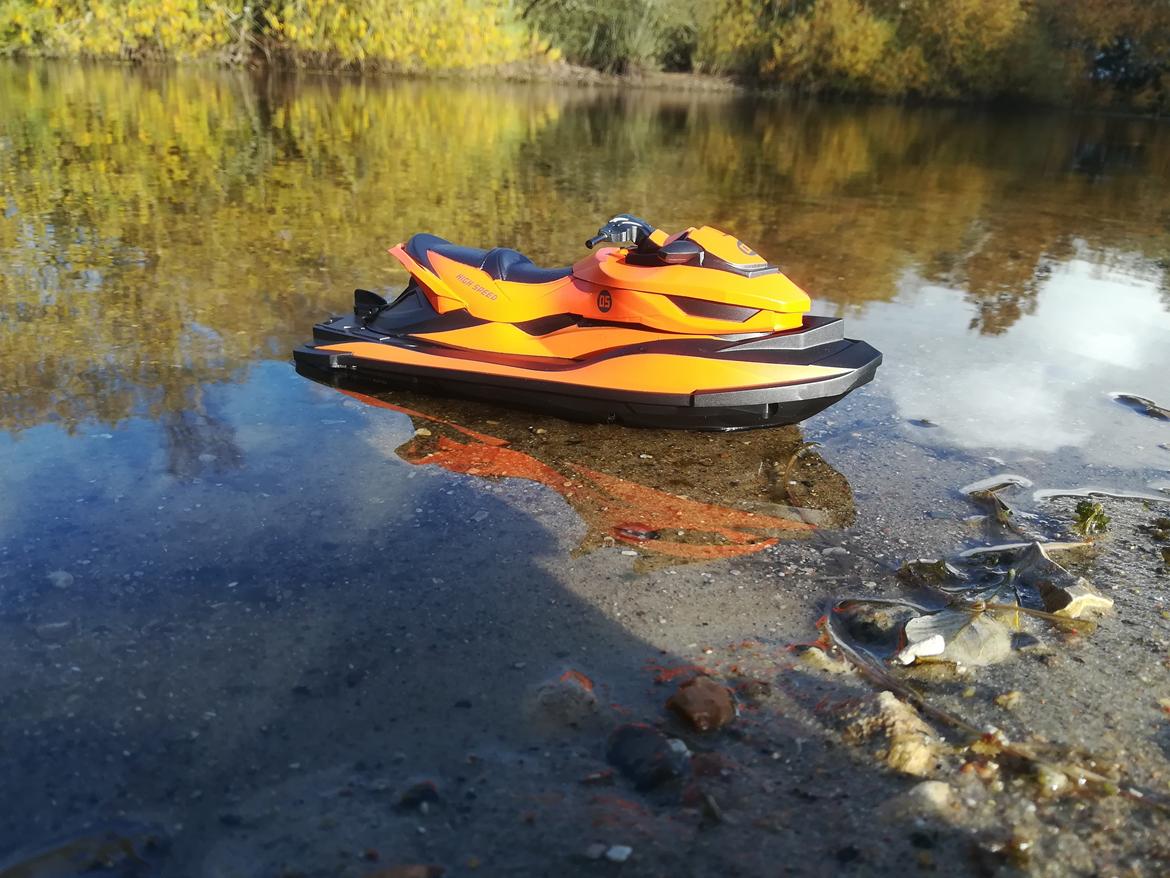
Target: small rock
[
  {"x": 423, "y": 793},
  {"x": 619, "y": 853},
  {"x": 53, "y": 632},
  {"x": 1009, "y": 700},
  {"x": 644, "y": 755},
  {"x": 61, "y": 579},
  {"x": 905, "y": 742},
  {"x": 1051, "y": 780},
  {"x": 596, "y": 851},
  {"x": 931, "y": 799},
  {"x": 703, "y": 703},
  {"x": 601, "y": 778},
  {"x": 816, "y": 657},
  {"x": 422, "y": 431},
  {"x": 934, "y": 795},
  {"x": 568, "y": 700},
  {"x": 411, "y": 870}
]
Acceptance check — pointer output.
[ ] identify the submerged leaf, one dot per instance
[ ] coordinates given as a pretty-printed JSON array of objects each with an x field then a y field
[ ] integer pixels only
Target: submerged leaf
[
  {"x": 990, "y": 499},
  {"x": 1142, "y": 405},
  {"x": 1063, "y": 593},
  {"x": 928, "y": 571},
  {"x": 1011, "y": 551},
  {"x": 969, "y": 636},
  {"x": 993, "y": 484}
]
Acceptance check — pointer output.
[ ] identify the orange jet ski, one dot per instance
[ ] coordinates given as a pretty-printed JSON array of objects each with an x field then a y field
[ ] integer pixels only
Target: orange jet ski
[{"x": 692, "y": 330}]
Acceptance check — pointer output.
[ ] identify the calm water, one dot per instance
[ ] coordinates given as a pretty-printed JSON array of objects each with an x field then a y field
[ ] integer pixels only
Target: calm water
[{"x": 195, "y": 542}]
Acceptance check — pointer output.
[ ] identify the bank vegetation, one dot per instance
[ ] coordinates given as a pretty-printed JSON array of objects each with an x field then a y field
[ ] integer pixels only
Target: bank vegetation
[{"x": 1072, "y": 52}]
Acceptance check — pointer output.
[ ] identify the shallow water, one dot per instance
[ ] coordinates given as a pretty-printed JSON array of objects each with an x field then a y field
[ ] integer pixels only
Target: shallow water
[{"x": 203, "y": 555}]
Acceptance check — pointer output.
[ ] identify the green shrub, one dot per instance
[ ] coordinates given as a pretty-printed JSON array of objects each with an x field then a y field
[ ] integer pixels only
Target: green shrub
[{"x": 621, "y": 36}]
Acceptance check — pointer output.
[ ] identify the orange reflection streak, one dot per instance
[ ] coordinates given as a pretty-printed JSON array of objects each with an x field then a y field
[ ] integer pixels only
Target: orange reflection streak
[{"x": 609, "y": 504}]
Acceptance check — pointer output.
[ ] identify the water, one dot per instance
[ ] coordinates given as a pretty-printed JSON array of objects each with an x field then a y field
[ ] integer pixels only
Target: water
[{"x": 213, "y": 570}]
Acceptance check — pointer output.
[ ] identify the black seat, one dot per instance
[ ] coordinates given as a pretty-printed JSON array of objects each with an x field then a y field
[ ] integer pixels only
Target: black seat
[{"x": 499, "y": 262}]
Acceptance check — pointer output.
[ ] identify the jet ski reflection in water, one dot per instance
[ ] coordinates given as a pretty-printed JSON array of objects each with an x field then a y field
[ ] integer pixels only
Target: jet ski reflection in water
[
  {"x": 692, "y": 330},
  {"x": 674, "y": 496}
]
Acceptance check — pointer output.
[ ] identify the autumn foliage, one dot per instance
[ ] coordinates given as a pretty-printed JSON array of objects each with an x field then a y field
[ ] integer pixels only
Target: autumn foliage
[
  {"x": 1083, "y": 52},
  {"x": 1062, "y": 51}
]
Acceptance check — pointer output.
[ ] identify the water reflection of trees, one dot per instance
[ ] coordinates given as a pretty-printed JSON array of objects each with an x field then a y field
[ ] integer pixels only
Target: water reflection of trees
[{"x": 161, "y": 229}]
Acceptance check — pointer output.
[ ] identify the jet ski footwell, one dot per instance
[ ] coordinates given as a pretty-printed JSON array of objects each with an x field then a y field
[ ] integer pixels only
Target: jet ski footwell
[{"x": 688, "y": 382}]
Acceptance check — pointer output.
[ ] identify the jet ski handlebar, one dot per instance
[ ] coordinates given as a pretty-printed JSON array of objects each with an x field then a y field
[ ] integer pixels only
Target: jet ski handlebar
[{"x": 623, "y": 229}]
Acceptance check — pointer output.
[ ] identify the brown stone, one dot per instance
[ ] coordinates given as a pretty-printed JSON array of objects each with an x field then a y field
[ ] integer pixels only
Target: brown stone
[{"x": 703, "y": 703}]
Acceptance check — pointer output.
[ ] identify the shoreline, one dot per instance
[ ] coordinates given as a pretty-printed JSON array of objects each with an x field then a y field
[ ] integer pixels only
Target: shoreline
[{"x": 564, "y": 74}]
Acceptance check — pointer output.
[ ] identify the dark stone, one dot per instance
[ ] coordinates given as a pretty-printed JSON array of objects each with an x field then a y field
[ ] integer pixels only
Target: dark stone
[
  {"x": 848, "y": 854},
  {"x": 424, "y": 792},
  {"x": 644, "y": 755},
  {"x": 921, "y": 840}
]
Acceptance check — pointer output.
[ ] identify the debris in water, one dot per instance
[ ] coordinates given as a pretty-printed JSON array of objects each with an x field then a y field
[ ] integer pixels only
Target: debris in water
[
  {"x": 703, "y": 703},
  {"x": 1144, "y": 406},
  {"x": 1091, "y": 518},
  {"x": 1063, "y": 594},
  {"x": 965, "y": 634}
]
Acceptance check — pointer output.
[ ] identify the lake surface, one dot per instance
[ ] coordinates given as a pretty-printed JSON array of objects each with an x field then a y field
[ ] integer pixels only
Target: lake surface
[{"x": 203, "y": 555}]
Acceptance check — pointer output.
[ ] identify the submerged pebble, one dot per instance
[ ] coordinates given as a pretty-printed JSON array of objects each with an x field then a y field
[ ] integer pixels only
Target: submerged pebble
[
  {"x": 619, "y": 853},
  {"x": 61, "y": 579}
]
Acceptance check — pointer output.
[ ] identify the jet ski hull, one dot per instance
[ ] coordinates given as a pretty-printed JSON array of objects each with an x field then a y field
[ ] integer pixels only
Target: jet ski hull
[{"x": 681, "y": 382}]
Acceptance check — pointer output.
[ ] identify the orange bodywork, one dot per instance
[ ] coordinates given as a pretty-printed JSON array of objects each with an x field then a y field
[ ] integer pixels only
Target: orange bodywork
[
  {"x": 636, "y": 372},
  {"x": 605, "y": 286}
]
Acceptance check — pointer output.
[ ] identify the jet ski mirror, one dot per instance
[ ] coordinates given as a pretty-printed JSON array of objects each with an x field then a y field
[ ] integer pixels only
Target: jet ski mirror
[
  {"x": 680, "y": 252},
  {"x": 623, "y": 229}
]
